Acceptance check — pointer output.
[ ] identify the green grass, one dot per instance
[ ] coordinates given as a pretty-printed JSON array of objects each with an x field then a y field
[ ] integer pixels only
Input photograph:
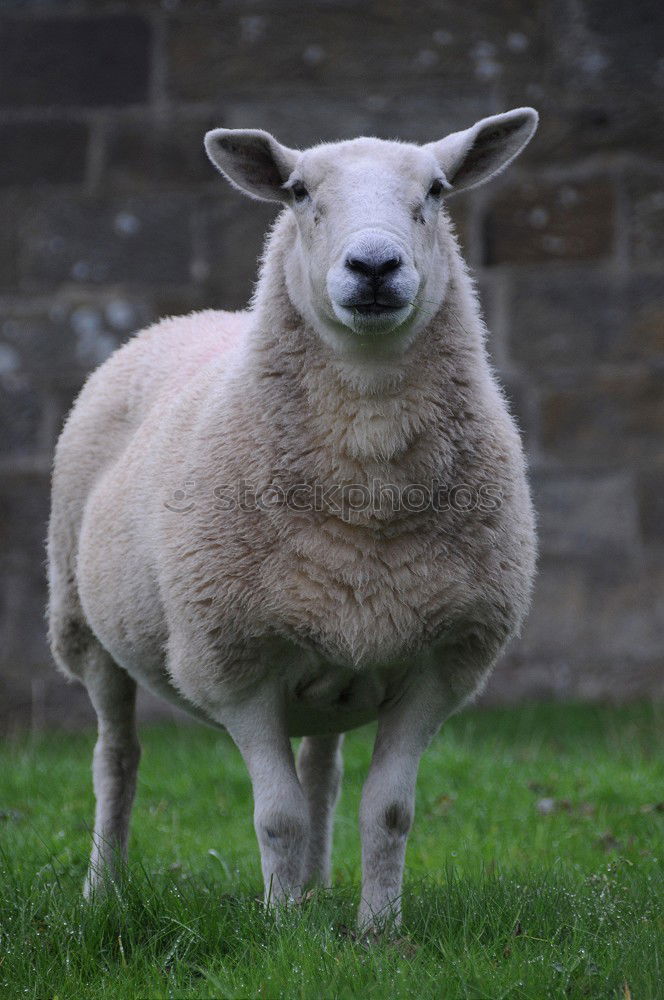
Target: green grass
[{"x": 502, "y": 898}]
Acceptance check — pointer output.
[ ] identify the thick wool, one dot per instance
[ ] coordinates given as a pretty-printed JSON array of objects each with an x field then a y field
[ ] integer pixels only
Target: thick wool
[{"x": 272, "y": 620}]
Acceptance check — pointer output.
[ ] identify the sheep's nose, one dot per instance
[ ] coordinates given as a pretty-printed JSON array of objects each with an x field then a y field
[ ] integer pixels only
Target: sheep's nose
[{"x": 373, "y": 265}]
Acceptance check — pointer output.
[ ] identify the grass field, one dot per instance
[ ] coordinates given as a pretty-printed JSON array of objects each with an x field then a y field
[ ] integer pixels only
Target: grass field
[{"x": 534, "y": 870}]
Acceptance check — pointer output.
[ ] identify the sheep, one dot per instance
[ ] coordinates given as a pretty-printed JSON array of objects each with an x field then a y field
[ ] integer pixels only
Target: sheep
[{"x": 303, "y": 517}]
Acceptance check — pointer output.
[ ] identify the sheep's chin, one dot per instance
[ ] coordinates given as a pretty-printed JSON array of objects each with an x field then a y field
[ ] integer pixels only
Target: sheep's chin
[{"x": 364, "y": 324}]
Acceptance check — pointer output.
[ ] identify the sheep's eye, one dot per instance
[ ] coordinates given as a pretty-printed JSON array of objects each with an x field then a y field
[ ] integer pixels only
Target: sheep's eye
[
  {"x": 299, "y": 191},
  {"x": 436, "y": 188}
]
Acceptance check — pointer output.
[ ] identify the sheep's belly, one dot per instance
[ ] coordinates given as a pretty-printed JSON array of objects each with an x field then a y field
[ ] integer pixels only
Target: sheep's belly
[
  {"x": 334, "y": 703},
  {"x": 323, "y": 697}
]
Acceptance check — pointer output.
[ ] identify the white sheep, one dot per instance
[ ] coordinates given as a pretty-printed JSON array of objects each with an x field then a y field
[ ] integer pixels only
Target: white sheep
[{"x": 299, "y": 518}]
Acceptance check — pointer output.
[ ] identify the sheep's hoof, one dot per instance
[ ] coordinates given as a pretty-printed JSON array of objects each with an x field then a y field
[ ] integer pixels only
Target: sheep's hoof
[
  {"x": 99, "y": 884},
  {"x": 382, "y": 925}
]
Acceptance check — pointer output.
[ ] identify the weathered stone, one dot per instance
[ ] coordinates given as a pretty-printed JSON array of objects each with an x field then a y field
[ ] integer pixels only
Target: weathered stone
[
  {"x": 21, "y": 411},
  {"x": 460, "y": 211},
  {"x": 533, "y": 222},
  {"x": 583, "y": 316},
  {"x": 74, "y": 61},
  {"x": 145, "y": 154},
  {"x": 469, "y": 48},
  {"x": 307, "y": 117},
  {"x": 138, "y": 241},
  {"x": 607, "y": 48},
  {"x": 582, "y": 515},
  {"x": 650, "y": 494},
  {"x": 607, "y": 678},
  {"x": 592, "y": 124},
  {"x": 592, "y": 633},
  {"x": 643, "y": 332},
  {"x": 532, "y": 678},
  {"x": 60, "y": 398},
  {"x": 8, "y": 240},
  {"x": 67, "y": 338},
  {"x": 22, "y": 623},
  {"x": 627, "y": 614},
  {"x": 235, "y": 230},
  {"x": 24, "y": 505},
  {"x": 565, "y": 320},
  {"x": 180, "y": 301},
  {"x": 646, "y": 205},
  {"x": 557, "y": 625},
  {"x": 51, "y": 151},
  {"x": 607, "y": 420}
]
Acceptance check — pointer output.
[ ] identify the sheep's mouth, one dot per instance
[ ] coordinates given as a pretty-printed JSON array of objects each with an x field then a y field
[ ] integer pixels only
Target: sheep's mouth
[
  {"x": 377, "y": 308},
  {"x": 372, "y": 317}
]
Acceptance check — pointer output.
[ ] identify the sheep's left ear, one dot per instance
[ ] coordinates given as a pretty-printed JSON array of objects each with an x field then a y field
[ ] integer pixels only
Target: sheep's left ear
[
  {"x": 471, "y": 157},
  {"x": 252, "y": 160}
]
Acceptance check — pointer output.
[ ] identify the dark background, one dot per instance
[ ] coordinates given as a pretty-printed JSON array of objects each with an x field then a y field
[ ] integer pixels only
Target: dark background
[{"x": 112, "y": 217}]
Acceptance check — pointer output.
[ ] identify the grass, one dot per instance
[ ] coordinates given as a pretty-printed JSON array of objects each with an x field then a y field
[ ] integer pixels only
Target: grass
[{"x": 534, "y": 870}]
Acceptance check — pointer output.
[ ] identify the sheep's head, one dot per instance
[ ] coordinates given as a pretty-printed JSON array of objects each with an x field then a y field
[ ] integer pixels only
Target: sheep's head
[{"x": 370, "y": 253}]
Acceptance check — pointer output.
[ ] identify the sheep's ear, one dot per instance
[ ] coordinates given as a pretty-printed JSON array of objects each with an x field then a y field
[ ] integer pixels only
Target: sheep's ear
[
  {"x": 252, "y": 160},
  {"x": 471, "y": 157}
]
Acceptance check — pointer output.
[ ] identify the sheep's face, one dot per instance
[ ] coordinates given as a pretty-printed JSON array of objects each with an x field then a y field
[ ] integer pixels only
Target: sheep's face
[
  {"x": 368, "y": 259},
  {"x": 370, "y": 254}
]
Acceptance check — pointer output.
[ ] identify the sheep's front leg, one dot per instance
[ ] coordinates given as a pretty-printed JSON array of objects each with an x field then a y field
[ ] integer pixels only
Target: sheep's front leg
[
  {"x": 280, "y": 809},
  {"x": 405, "y": 729},
  {"x": 319, "y": 767}
]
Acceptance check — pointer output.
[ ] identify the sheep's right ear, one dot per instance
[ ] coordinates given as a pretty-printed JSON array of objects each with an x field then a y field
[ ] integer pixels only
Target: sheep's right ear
[{"x": 252, "y": 160}]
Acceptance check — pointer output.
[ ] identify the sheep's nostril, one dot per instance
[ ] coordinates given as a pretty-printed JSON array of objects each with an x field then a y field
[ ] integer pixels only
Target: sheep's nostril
[
  {"x": 373, "y": 267},
  {"x": 361, "y": 266},
  {"x": 388, "y": 265}
]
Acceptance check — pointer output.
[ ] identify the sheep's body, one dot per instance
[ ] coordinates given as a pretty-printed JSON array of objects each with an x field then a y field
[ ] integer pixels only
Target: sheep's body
[{"x": 291, "y": 621}]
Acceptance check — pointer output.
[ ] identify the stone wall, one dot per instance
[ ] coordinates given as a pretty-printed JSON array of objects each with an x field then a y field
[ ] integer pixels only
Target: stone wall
[{"x": 111, "y": 216}]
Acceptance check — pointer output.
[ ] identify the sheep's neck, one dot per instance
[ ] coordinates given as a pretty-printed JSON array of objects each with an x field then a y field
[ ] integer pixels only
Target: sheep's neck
[
  {"x": 366, "y": 423},
  {"x": 337, "y": 422},
  {"x": 334, "y": 425}
]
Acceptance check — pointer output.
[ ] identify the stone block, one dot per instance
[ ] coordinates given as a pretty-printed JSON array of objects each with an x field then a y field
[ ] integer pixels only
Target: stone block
[
  {"x": 24, "y": 506},
  {"x": 330, "y": 50},
  {"x": 64, "y": 339},
  {"x": 643, "y": 335},
  {"x": 308, "y": 117},
  {"x": 565, "y": 320},
  {"x": 77, "y": 61},
  {"x": 534, "y": 222},
  {"x": 592, "y": 124},
  {"x": 180, "y": 301},
  {"x": 646, "y": 208},
  {"x": 579, "y": 317},
  {"x": 36, "y": 152},
  {"x": 606, "y": 48},
  {"x": 235, "y": 230},
  {"x": 557, "y": 625},
  {"x": 144, "y": 240},
  {"x": 146, "y": 154},
  {"x": 9, "y": 205},
  {"x": 23, "y": 595},
  {"x": 626, "y": 614},
  {"x": 22, "y": 413},
  {"x": 592, "y": 633},
  {"x": 603, "y": 420},
  {"x": 586, "y": 514},
  {"x": 650, "y": 495}
]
